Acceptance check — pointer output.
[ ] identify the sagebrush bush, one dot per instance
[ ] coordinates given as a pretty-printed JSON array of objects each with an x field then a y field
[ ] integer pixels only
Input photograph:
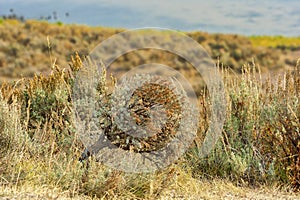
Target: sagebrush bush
[
  {"x": 40, "y": 146},
  {"x": 260, "y": 142}
]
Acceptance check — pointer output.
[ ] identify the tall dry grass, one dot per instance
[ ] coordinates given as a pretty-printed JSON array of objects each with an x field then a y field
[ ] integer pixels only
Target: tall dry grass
[{"x": 259, "y": 146}]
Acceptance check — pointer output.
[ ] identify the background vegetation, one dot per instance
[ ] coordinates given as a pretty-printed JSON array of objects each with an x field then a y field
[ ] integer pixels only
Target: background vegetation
[{"x": 24, "y": 48}]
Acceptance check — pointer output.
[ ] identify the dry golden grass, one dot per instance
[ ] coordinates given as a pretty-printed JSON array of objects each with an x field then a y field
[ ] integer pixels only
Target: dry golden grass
[
  {"x": 257, "y": 156},
  {"x": 40, "y": 150},
  {"x": 182, "y": 187}
]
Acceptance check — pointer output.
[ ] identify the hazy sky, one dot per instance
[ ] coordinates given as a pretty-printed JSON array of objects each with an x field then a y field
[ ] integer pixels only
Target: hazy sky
[{"x": 272, "y": 17}]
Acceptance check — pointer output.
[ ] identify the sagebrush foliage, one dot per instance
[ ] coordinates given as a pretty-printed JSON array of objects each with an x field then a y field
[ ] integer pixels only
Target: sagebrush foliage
[
  {"x": 261, "y": 135},
  {"x": 260, "y": 142}
]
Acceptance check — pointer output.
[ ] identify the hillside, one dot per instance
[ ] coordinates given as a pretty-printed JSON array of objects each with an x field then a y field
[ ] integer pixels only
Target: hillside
[{"x": 25, "y": 48}]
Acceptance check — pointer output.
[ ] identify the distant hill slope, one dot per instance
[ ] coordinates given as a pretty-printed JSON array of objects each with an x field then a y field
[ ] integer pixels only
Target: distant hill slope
[{"x": 25, "y": 49}]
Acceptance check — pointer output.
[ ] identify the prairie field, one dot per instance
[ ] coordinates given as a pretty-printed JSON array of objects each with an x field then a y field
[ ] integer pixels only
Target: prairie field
[{"x": 256, "y": 157}]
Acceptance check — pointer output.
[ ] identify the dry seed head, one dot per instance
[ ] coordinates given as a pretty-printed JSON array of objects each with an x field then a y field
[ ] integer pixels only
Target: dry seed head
[{"x": 76, "y": 63}]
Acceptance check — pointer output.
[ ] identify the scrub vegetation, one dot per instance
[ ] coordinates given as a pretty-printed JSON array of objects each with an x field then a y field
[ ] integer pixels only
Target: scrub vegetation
[{"x": 257, "y": 157}]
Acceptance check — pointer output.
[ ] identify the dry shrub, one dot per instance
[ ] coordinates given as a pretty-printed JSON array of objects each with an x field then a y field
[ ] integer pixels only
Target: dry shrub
[
  {"x": 281, "y": 130},
  {"x": 39, "y": 145},
  {"x": 261, "y": 135}
]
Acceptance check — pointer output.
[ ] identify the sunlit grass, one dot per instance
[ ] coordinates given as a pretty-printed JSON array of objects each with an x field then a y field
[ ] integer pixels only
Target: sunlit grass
[{"x": 275, "y": 41}]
